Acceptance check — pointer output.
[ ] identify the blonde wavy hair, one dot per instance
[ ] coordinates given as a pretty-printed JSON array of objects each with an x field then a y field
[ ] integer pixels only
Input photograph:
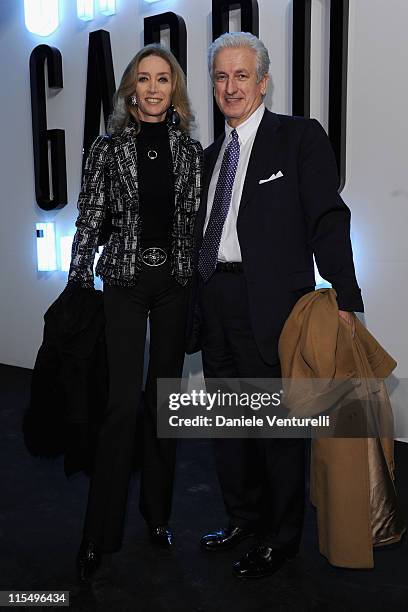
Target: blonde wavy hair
[{"x": 121, "y": 106}]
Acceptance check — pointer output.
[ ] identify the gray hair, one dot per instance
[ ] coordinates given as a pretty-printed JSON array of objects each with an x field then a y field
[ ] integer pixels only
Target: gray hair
[{"x": 240, "y": 39}]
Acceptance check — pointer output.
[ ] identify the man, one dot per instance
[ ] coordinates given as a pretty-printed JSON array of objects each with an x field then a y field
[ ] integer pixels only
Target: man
[{"x": 269, "y": 203}]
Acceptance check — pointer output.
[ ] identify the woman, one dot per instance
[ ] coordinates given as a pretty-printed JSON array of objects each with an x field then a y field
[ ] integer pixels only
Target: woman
[{"x": 145, "y": 177}]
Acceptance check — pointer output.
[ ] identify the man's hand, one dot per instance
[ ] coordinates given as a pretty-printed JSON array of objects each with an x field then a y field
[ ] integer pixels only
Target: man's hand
[{"x": 349, "y": 319}]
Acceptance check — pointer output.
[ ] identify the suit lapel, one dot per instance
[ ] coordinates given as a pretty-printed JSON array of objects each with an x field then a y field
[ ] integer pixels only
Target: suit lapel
[
  {"x": 210, "y": 161},
  {"x": 125, "y": 155},
  {"x": 211, "y": 156},
  {"x": 260, "y": 158},
  {"x": 180, "y": 173}
]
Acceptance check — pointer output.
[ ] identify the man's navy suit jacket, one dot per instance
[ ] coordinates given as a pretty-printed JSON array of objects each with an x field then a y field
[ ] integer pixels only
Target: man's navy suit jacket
[{"x": 282, "y": 223}]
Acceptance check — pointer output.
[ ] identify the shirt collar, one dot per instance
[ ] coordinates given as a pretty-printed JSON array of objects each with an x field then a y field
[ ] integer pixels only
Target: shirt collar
[{"x": 246, "y": 129}]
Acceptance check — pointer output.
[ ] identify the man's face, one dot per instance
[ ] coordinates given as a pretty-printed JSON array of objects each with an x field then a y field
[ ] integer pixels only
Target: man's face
[{"x": 236, "y": 90}]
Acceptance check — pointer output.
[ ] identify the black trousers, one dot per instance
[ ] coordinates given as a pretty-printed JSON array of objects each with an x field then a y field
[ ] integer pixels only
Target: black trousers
[
  {"x": 160, "y": 298},
  {"x": 262, "y": 480}
]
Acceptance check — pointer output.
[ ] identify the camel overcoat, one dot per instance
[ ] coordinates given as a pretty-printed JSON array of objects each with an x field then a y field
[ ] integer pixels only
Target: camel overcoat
[{"x": 352, "y": 481}]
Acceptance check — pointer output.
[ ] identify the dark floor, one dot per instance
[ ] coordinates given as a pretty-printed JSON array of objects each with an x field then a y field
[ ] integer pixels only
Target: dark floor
[{"x": 40, "y": 528}]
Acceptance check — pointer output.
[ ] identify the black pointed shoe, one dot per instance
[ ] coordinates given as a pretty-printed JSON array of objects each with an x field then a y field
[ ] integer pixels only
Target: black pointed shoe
[
  {"x": 260, "y": 562},
  {"x": 224, "y": 539},
  {"x": 88, "y": 560},
  {"x": 162, "y": 536}
]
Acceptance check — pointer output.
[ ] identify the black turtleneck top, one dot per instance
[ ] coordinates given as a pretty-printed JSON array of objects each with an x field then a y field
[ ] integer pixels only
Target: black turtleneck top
[{"x": 156, "y": 184}]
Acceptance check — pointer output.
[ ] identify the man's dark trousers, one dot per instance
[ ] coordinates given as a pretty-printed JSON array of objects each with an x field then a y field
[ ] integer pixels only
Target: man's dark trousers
[{"x": 262, "y": 479}]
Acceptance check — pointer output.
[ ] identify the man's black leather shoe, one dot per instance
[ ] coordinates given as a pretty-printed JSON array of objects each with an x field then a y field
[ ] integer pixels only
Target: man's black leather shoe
[
  {"x": 88, "y": 560},
  {"x": 162, "y": 536},
  {"x": 225, "y": 538},
  {"x": 260, "y": 562}
]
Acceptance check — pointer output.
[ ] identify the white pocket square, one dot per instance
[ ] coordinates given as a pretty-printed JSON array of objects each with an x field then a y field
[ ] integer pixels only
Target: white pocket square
[{"x": 279, "y": 174}]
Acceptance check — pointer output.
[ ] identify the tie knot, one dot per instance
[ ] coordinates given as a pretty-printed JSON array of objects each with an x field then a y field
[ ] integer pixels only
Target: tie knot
[{"x": 234, "y": 135}]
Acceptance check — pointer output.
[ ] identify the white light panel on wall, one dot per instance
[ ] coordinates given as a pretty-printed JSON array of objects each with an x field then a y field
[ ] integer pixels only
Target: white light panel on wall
[
  {"x": 46, "y": 253},
  {"x": 85, "y": 9},
  {"x": 107, "y": 7},
  {"x": 41, "y": 16}
]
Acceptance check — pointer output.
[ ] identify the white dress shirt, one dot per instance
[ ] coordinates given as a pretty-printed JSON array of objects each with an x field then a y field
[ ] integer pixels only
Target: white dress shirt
[{"x": 229, "y": 247}]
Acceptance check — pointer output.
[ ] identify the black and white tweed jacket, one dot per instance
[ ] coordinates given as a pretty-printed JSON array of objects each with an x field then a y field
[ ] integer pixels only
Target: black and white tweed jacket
[{"x": 110, "y": 184}]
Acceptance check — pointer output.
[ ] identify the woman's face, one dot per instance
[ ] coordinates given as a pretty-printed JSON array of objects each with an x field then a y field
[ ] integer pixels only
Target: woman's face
[{"x": 154, "y": 88}]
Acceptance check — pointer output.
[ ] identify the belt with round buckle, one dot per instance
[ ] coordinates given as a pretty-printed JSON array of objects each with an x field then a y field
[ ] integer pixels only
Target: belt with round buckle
[{"x": 154, "y": 256}]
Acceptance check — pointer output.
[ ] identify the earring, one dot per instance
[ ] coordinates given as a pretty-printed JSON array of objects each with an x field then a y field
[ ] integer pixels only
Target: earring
[
  {"x": 132, "y": 100},
  {"x": 173, "y": 117}
]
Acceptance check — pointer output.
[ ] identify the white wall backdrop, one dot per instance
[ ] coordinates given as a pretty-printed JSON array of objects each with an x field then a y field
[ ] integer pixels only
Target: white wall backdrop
[{"x": 376, "y": 187}]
